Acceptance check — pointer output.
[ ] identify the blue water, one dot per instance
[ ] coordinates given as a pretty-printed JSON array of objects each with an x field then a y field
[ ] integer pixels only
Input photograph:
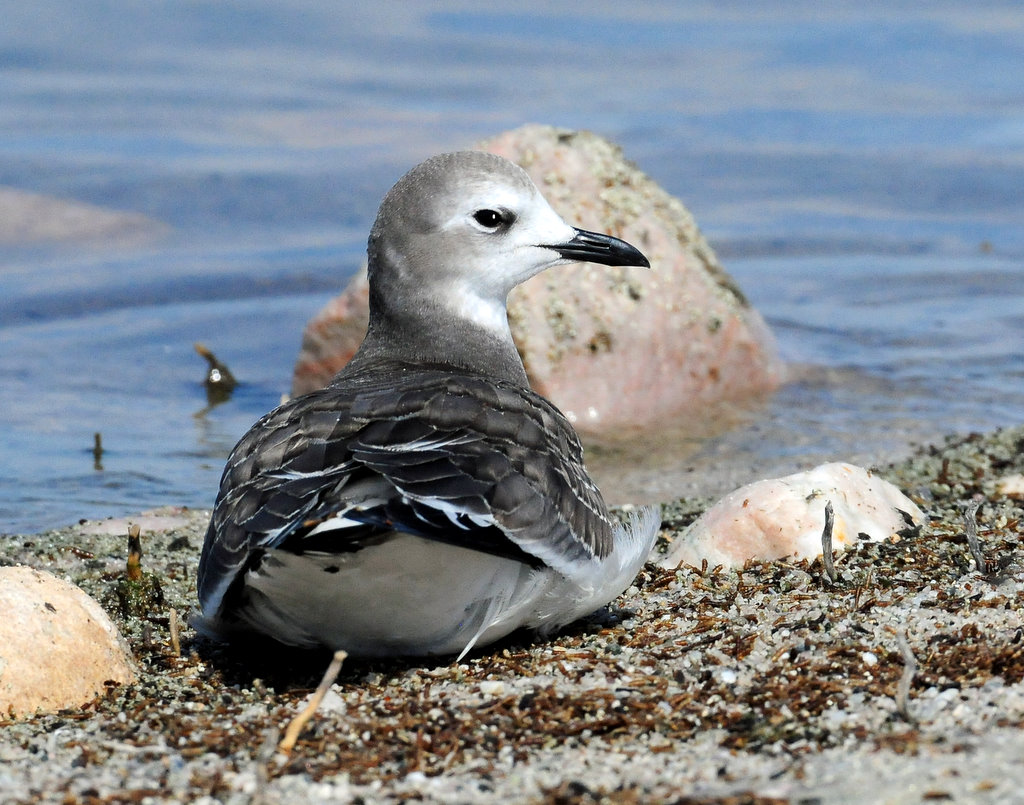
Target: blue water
[{"x": 860, "y": 169}]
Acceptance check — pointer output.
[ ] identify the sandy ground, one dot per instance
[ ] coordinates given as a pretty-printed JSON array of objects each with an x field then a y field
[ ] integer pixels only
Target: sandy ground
[{"x": 899, "y": 683}]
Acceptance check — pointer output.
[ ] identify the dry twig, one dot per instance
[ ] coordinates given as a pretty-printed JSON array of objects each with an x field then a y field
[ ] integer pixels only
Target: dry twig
[
  {"x": 909, "y": 670},
  {"x": 261, "y": 766},
  {"x": 971, "y": 528},
  {"x": 291, "y": 735},
  {"x": 826, "y": 543},
  {"x": 175, "y": 642},
  {"x": 97, "y": 451},
  {"x": 862, "y": 587},
  {"x": 133, "y": 569}
]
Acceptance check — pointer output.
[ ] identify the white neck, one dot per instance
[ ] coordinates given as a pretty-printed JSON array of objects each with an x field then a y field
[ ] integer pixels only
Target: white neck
[{"x": 486, "y": 313}]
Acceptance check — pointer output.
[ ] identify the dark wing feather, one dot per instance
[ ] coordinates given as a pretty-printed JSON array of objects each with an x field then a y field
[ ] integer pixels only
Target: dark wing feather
[
  {"x": 467, "y": 460},
  {"x": 278, "y": 477}
]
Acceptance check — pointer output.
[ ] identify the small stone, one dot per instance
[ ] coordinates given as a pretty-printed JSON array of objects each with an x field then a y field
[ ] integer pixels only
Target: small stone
[
  {"x": 492, "y": 687},
  {"x": 1011, "y": 486},
  {"x": 58, "y": 648}
]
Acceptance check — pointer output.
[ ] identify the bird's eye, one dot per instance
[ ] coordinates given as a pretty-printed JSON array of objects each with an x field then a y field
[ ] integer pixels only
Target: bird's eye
[{"x": 491, "y": 219}]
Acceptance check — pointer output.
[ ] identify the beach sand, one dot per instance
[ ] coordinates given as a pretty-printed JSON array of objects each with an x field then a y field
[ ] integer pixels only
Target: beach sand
[{"x": 900, "y": 683}]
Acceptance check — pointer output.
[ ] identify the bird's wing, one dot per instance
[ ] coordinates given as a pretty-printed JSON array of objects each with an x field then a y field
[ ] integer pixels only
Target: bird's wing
[
  {"x": 465, "y": 460},
  {"x": 490, "y": 449}
]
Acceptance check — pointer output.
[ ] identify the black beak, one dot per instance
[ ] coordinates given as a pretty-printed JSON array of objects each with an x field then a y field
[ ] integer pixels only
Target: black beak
[{"x": 592, "y": 247}]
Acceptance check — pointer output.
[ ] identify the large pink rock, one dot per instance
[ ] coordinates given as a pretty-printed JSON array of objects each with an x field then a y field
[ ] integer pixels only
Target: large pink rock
[{"x": 609, "y": 346}]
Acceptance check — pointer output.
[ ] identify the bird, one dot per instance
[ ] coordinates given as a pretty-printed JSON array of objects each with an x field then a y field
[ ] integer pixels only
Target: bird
[{"x": 426, "y": 500}]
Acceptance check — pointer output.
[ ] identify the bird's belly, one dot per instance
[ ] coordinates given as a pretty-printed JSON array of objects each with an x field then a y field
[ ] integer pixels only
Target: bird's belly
[{"x": 407, "y": 595}]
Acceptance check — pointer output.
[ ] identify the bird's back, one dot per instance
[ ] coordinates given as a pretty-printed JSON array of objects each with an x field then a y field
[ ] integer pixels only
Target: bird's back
[{"x": 465, "y": 460}]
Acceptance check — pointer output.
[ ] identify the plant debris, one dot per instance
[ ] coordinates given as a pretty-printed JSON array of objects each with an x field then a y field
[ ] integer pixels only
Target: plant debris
[
  {"x": 97, "y": 451},
  {"x": 219, "y": 381},
  {"x": 971, "y": 530},
  {"x": 291, "y": 735},
  {"x": 138, "y": 592},
  {"x": 826, "y": 543}
]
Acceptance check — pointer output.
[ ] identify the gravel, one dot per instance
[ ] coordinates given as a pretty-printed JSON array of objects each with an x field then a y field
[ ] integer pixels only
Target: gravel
[{"x": 899, "y": 683}]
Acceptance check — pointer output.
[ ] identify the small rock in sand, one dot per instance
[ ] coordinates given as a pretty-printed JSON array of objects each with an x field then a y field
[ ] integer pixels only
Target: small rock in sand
[
  {"x": 1012, "y": 486},
  {"x": 784, "y": 518},
  {"x": 58, "y": 648}
]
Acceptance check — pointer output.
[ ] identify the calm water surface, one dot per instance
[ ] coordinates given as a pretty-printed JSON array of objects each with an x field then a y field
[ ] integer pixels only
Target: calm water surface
[{"x": 859, "y": 169}]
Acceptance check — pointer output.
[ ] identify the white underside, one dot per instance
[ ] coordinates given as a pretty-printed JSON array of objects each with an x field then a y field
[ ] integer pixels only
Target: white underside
[{"x": 412, "y": 596}]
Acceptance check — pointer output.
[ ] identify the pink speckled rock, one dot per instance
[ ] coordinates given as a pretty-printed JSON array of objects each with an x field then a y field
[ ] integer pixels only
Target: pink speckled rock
[
  {"x": 58, "y": 648},
  {"x": 609, "y": 346},
  {"x": 784, "y": 517}
]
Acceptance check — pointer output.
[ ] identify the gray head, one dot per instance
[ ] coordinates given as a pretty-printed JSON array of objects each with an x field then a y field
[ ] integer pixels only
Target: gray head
[
  {"x": 475, "y": 225},
  {"x": 453, "y": 237}
]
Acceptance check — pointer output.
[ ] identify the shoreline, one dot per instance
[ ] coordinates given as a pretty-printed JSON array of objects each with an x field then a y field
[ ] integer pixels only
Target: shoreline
[{"x": 764, "y": 685}]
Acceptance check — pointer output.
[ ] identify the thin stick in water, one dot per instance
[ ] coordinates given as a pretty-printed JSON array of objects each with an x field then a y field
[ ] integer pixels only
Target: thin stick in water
[{"x": 97, "y": 451}]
